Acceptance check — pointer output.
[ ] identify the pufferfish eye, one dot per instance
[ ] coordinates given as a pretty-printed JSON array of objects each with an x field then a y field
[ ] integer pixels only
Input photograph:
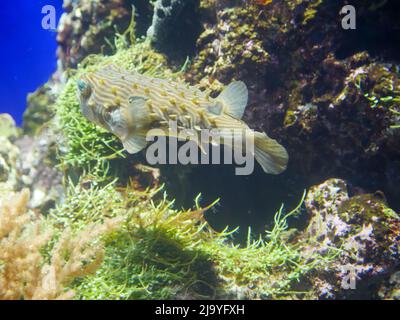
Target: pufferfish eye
[{"x": 84, "y": 88}]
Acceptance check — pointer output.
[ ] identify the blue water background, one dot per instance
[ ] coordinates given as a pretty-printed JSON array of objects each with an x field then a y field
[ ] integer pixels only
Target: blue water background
[{"x": 28, "y": 52}]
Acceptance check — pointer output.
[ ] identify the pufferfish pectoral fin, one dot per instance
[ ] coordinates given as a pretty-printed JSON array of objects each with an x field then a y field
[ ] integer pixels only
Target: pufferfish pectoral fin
[
  {"x": 138, "y": 109},
  {"x": 234, "y": 97},
  {"x": 134, "y": 144},
  {"x": 117, "y": 123}
]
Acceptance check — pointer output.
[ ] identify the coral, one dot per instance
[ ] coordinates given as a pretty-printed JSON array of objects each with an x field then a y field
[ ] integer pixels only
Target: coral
[{"x": 25, "y": 272}]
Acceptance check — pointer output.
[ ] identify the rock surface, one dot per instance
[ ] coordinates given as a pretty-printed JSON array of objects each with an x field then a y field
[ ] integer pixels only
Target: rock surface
[
  {"x": 362, "y": 230},
  {"x": 29, "y": 162},
  {"x": 323, "y": 92},
  {"x": 89, "y": 27}
]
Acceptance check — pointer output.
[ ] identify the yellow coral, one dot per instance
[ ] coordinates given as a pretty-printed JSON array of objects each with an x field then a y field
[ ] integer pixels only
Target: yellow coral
[{"x": 24, "y": 271}]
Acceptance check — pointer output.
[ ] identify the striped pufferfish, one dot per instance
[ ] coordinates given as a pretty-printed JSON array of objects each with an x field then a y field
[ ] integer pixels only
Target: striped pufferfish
[{"x": 129, "y": 104}]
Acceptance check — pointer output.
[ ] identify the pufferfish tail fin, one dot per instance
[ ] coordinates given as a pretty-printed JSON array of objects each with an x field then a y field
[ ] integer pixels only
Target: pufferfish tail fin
[
  {"x": 234, "y": 98},
  {"x": 272, "y": 157}
]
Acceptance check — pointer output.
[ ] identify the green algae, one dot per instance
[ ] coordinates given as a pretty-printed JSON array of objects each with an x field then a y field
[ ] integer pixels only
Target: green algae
[
  {"x": 163, "y": 253},
  {"x": 311, "y": 11}
]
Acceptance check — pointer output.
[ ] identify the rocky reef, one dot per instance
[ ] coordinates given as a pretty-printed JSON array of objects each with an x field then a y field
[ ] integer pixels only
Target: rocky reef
[
  {"x": 89, "y": 27},
  {"x": 312, "y": 88},
  {"x": 330, "y": 96},
  {"x": 175, "y": 25},
  {"x": 363, "y": 230}
]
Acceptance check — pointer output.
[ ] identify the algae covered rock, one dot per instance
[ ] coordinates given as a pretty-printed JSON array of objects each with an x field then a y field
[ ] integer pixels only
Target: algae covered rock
[
  {"x": 354, "y": 126},
  {"x": 175, "y": 26},
  {"x": 9, "y": 175},
  {"x": 391, "y": 289},
  {"x": 365, "y": 233},
  {"x": 38, "y": 110},
  {"x": 8, "y": 128},
  {"x": 231, "y": 46},
  {"x": 38, "y": 170},
  {"x": 29, "y": 162},
  {"x": 89, "y": 27},
  {"x": 9, "y": 154}
]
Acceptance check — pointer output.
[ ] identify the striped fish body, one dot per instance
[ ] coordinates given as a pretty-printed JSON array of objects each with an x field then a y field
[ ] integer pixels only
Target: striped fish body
[{"x": 129, "y": 105}]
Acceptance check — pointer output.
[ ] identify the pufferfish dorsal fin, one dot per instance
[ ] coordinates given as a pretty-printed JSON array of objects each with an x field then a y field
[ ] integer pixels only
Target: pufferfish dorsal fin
[{"x": 235, "y": 97}]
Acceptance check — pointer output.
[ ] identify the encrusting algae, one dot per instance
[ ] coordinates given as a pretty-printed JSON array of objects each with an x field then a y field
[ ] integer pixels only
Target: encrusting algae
[{"x": 130, "y": 105}]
